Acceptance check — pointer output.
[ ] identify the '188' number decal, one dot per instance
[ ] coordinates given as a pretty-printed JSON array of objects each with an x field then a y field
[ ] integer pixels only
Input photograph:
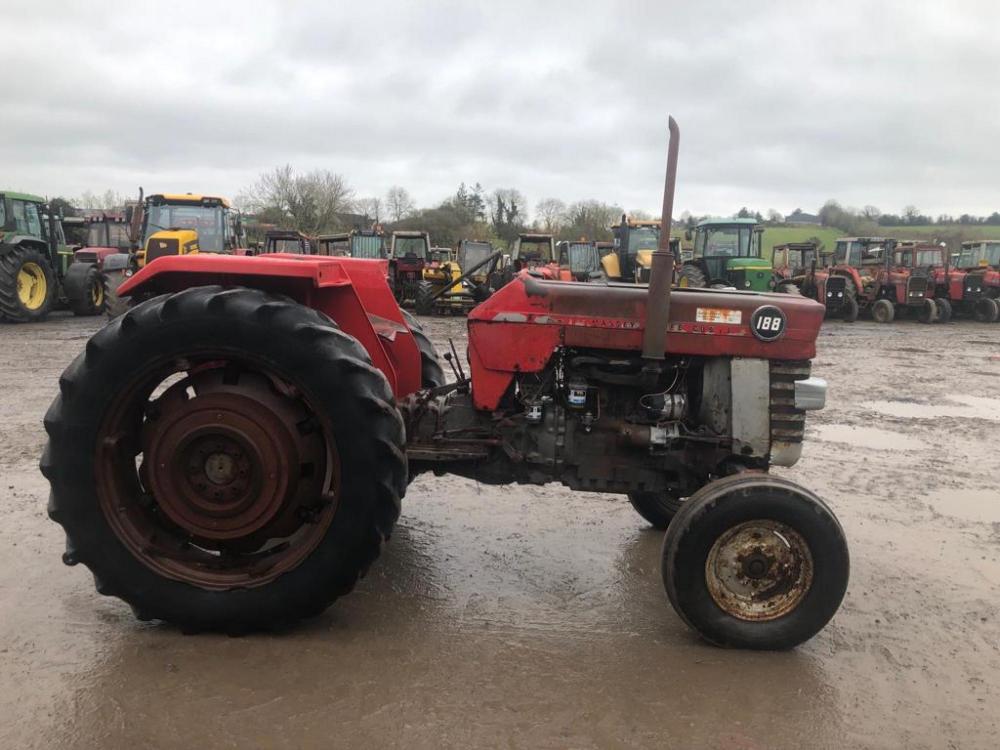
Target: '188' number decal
[{"x": 767, "y": 323}]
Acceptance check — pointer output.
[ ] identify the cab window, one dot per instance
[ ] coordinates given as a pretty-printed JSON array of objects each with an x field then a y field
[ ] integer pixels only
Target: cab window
[
  {"x": 3, "y": 213},
  {"x": 26, "y": 218}
]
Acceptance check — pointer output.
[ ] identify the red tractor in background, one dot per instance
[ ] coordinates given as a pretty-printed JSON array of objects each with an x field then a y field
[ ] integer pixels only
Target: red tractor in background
[
  {"x": 107, "y": 234},
  {"x": 409, "y": 252},
  {"x": 878, "y": 287},
  {"x": 230, "y": 454},
  {"x": 973, "y": 284},
  {"x": 803, "y": 266},
  {"x": 927, "y": 260}
]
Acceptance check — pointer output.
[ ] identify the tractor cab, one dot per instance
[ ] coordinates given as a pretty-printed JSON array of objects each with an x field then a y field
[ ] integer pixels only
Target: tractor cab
[
  {"x": 581, "y": 259},
  {"x": 358, "y": 243},
  {"x": 408, "y": 254},
  {"x": 473, "y": 253},
  {"x": 183, "y": 224},
  {"x": 979, "y": 254},
  {"x": 866, "y": 254},
  {"x": 634, "y": 242},
  {"x": 727, "y": 252},
  {"x": 797, "y": 259},
  {"x": 533, "y": 251},
  {"x": 287, "y": 241},
  {"x": 920, "y": 257}
]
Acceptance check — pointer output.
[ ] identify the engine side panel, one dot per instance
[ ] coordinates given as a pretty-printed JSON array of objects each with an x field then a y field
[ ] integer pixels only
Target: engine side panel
[{"x": 516, "y": 330}]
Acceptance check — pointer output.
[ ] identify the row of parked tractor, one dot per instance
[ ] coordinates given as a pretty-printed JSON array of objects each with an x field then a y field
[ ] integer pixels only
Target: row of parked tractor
[{"x": 878, "y": 277}]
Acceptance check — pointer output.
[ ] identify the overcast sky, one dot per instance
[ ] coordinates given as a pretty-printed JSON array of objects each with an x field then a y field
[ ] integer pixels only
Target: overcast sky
[{"x": 780, "y": 104}]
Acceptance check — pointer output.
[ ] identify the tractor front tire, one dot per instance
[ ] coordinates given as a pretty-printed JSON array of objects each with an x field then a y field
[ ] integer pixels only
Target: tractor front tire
[
  {"x": 27, "y": 285},
  {"x": 754, "y": 561},
  {"x": 224, "y": 459},
  {"x": 850, "y": 311},
  {"x": 944, "y": 309},
  {"x": 883, "y": 311},
  {"x": 425, "y": 298},
  {"x": 692, "y": 277},
  {"x": 431, "y": 371},
  {"x": 84, "y": 287},
  {"x": 658, "y": 508},
  {"x": 986, "y": 310},
  {"x": 113, "y": 304},
  {"x": 927, "y": 312}
]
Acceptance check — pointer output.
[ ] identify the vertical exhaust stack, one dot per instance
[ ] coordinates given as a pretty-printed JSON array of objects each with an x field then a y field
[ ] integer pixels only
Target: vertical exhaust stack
[{"x": 661, "y": 274}]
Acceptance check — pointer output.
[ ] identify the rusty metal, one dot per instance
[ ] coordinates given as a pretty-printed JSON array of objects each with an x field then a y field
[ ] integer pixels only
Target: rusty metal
[
  {"x": 759, "y": 570},
  {"x": 237, "y": 481},
  {"x": 661, "y": 270}
]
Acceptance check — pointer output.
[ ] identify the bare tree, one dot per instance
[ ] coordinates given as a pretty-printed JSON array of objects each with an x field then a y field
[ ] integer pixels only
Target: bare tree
[
  {"x": 311, "y": 202},
  {"x": 398, "y": 203},
  {"x": 774, "y": 216},
  {"x": 371, "y": 207},
  {"x": 551, "y": 214},
  {"x": 910, "y": 213},
  {"x": 871, "y": 212},
  {"x": 109, "y": 200},
  {"x": 637, "y": 214},
  {"x": 507, "y": 215}
]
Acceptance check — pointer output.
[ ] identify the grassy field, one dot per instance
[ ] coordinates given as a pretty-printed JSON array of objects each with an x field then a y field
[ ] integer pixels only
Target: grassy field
[{"x": 953, "y": 234}]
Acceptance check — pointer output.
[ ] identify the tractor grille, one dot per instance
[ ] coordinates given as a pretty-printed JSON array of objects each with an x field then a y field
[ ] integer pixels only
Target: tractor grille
[
  {"x": 836, "y": 288},
  {"x": 85, "y": 256},
  {"x": 916, "y": 287},
  {"x": 157, "y": 248},
  {"x": 974, "y": 285},
  {"x": 788, "y": 424}
]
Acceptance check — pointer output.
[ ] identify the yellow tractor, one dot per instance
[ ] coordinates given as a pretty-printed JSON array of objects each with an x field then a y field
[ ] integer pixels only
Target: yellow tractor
[
  {"x": 172, "y": 224},
  {"x": 635, "y": 241}
]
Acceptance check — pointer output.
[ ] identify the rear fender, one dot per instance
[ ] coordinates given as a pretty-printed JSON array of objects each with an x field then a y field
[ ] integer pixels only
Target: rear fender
[{"x": 352, "y": 292}]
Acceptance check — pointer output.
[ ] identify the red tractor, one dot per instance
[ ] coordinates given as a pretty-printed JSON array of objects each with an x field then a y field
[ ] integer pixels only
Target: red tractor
[
  {"x": 107, "y": 235},
  {"x": 408, "y": 254},
  {"x": 230, "y": 454},
  {"x": 878, "y": 287},
  {"x": 929, "y": 261},
  {"x": 804, "y": 267},
  {"x": 974, "y": 282}
]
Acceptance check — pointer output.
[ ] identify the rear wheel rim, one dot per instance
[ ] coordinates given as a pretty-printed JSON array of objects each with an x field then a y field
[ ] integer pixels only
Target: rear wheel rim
[
  {"x": 32, "y": 286},
  {"x": 97, "y": 292},
  {"x": 759, "y": 570},
  {"x": 216, "y": 472}
]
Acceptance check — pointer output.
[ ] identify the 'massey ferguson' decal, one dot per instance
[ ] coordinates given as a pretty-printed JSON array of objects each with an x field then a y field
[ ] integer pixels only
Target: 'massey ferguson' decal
[{"x": 718, "y": 315}]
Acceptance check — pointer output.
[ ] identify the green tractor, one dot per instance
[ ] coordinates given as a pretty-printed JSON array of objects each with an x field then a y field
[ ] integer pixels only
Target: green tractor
[
  {"x": 727, "y": 253},
  {"x": 34, "y": 258}
]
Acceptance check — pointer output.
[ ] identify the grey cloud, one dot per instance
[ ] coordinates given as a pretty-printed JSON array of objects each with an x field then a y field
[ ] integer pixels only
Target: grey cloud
[{"x": 780, "y": 105}]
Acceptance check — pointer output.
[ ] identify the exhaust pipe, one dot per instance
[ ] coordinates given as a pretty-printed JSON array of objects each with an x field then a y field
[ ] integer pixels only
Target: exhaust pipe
[{"x": 661, "y": 273}]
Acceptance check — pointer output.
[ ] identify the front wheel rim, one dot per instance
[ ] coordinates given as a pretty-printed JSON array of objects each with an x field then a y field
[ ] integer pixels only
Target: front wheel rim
[
  {"x": 32, "y": 285},
  {"x": 216, "y": 472},
  {"x": 759, "y": 570}
]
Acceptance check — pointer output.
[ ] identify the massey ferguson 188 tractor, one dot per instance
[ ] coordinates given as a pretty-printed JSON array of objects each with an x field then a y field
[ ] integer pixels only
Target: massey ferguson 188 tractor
[{"x": 231, "y": 453}]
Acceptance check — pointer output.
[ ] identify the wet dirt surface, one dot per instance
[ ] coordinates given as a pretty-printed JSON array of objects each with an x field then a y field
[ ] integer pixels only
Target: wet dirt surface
[{"x": 535, "y": 617}]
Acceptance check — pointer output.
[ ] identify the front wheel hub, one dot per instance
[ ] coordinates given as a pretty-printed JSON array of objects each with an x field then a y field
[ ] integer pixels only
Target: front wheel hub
[{"x": 759, "y": 570}]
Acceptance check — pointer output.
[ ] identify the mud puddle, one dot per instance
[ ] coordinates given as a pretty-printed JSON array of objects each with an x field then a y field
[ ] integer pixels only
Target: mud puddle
[
  {"x": 978, "y": 506},
  {"x": 958, "y": 405},
  {"x": 873, "y": 438}
]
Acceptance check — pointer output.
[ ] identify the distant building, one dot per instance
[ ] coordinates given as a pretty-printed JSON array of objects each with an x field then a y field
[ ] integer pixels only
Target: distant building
[{"x": 798, "y": 216}]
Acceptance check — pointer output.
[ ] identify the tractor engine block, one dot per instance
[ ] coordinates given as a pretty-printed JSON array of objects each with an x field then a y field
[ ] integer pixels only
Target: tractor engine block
[{"x": 600, "y": 420}]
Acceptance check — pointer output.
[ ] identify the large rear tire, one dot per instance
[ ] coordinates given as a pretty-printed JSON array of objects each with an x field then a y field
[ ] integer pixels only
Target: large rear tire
[
  {"x": 658, "y": 508},
  {"x": 224, "y": 460},
  {"x": 424, "y": 303},
  {"x": 691, "y": 276},
  {"x": 755, "y": 561},
  {"x": 27, "y": 285},
  {"x": 84, "y": 287}
]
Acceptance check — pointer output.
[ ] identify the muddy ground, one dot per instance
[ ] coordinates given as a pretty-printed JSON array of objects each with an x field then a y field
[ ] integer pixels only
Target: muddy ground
[{"x": 526, "y": 617}]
